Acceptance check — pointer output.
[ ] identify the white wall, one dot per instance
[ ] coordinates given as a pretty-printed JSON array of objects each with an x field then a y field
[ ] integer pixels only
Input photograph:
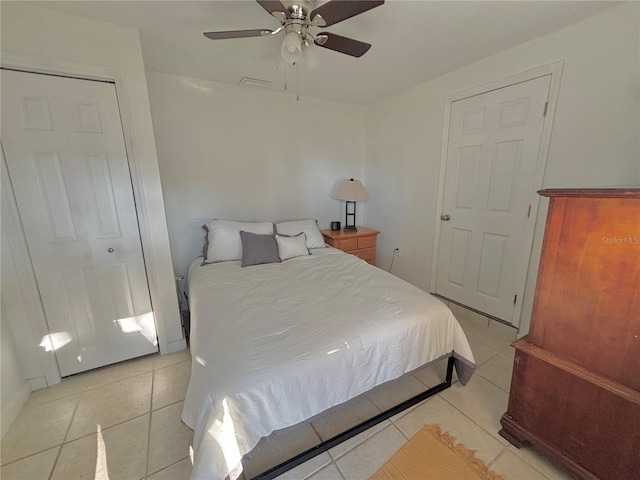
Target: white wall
[
  {"x": 241, "y": 153},
  {"x": 14, "y": 389},
  {"x": 52, "y": 41},
  {"x": 595, "y": 138}
]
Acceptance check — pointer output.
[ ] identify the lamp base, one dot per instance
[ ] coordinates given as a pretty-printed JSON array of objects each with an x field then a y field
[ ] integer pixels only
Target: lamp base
[{"x": 349, "y": 229}]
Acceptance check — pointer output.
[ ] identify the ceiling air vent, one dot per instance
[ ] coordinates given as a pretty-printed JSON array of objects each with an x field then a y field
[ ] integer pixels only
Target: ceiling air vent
[{"x": 254, "y": 82}]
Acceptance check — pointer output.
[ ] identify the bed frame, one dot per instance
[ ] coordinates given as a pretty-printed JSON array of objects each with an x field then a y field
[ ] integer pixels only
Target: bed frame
[{"x": 353, "y": 431}]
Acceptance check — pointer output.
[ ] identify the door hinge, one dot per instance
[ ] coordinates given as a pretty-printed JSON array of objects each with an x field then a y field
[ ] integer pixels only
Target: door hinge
[
  {"x": 546, "y": 106},
  {"x": 529, "y": 212},
  {"x": 515, "y": 297}
]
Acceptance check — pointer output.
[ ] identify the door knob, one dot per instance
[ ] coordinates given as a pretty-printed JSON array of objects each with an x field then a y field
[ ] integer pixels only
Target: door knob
[
  {"x": 110, "y": 250},
  {"x": 445, "y": 217}
]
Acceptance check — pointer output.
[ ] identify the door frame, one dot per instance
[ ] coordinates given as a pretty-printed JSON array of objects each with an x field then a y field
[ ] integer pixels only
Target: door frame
[
  {"x": 151, "y": 255},
  {"x": 555, "y": 71}
]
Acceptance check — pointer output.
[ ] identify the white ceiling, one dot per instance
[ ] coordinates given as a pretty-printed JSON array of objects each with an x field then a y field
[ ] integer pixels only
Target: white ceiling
[{"x": 413, "y": 41}]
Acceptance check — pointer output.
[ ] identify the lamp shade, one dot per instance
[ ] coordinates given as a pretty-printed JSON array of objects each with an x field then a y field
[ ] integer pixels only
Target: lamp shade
[
  {"x": 291, "y": 49},
  {"x": 351, "y": 191}
]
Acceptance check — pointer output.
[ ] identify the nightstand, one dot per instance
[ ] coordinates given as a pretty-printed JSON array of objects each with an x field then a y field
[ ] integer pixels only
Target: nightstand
[{"x": 361, "y": 243}]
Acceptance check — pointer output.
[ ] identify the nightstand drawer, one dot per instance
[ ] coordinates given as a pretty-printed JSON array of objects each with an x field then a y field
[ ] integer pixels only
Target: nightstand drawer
[
  {"x": 348, "y": 244},
  {"x": 368, "y": 254},
  {"x": 366, "y": 242},
  {"x": 361, "y": 243}
]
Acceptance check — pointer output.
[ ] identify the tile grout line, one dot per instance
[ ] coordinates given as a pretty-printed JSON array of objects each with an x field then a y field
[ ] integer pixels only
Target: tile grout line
[
  {"x": 335, "y": 462},
  {"x": 399, "y": 431},
  {"x": 506, "y": 447},
  {"x": 167, "y": 406},
  {"x": 87, "y": 435},
  {"x": 494, "y": 383},
  {"x": 500, "y": 439},
  {"x": 364, "y": 440},
  {"x": 79, "y": 438},
  {"x": 73, "y": 416},
  {"x": 30, "y": 455},
  {"x": 146, "y": 468},
  {"x": 497, "y": 457},
  {"x": 338, "y": 469},
  {"x": 110, "y": 426},
  {"x": 391, "y": 424},
  {"x": 81, "y": 392},
  {"x": 409, "y": 410},
  {"x": 367, "y": 440},
  {"x": 151, "y": 411},
  {"x": 406, "y": 412},
  {"x": 504, "y": 450},
  {"x": 105, "y": 429},
  {"x": 165, "y": 468}
]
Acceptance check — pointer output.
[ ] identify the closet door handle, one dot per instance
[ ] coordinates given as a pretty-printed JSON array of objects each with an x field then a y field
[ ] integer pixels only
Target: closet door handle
[
  {"x": 110, "y": 250},
  {"x": 445, "y": 217}
]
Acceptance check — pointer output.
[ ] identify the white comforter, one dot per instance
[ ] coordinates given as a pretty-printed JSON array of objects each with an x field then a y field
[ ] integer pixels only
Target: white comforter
[{"x": 273, "y": 345}]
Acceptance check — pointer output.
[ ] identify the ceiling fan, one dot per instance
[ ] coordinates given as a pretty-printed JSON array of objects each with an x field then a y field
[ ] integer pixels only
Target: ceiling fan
[{"x": 297, "y": 19}]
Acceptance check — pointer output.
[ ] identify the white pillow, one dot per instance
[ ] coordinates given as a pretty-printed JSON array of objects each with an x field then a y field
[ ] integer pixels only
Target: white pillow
[
  {"x": 223, "y": 238},
  {"x": 291, "y": 247},
  {"x": 308, "y": 227}
]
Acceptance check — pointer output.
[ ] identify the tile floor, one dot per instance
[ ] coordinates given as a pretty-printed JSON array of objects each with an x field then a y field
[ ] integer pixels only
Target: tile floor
[{"x": 123, "y": 422}]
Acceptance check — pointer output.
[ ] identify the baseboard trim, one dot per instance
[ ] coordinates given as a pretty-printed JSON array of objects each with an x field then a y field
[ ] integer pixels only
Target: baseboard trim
[
  {"x": 40, "y": 382},
  {"x": 174, "y": 346},
  {"x": 11, "y": 411}
]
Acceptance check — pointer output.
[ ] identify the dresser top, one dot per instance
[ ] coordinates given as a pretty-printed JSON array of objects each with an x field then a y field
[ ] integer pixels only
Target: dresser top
[
  {"x": 591, "y": 192},
  {"x": 340, "y": 235}
]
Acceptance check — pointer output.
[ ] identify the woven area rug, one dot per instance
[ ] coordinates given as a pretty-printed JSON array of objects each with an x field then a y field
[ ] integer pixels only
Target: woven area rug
[{"x": 434, "y": 455}]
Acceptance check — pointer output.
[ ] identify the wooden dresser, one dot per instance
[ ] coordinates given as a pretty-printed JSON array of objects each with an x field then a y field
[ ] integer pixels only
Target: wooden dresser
[
  {"x": 361, "y": 243},
  {"x": 575, "y": 390}
]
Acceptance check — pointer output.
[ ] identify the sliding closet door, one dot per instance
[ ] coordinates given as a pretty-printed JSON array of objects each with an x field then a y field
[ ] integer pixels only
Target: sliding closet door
[{"x": 66, "y": 156}]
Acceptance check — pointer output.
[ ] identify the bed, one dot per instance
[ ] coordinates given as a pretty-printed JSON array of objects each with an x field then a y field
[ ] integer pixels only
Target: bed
[{"x": 274, "y": 344}]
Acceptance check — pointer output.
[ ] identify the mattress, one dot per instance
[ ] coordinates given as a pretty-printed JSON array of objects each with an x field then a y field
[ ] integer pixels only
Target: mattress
[{"x": 273, "y": 345}]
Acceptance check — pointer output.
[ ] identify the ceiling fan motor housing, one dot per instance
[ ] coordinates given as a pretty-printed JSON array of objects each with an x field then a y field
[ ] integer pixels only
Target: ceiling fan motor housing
[
  {"x": 296, "y": 17},
  {"x": 298, "y": 23}
]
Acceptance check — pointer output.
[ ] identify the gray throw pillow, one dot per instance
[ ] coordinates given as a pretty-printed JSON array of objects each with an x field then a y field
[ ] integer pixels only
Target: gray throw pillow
[{"x": 258, "y": 249}]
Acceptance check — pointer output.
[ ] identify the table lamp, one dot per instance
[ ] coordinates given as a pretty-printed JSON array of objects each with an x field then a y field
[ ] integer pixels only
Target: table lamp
[{"x": 351, "y": 191}]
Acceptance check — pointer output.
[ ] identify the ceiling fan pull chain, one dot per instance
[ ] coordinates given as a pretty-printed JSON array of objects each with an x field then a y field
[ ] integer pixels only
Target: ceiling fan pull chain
[
  {"x": 297, "y": 83},
  {"x": 284, "y": 69}
]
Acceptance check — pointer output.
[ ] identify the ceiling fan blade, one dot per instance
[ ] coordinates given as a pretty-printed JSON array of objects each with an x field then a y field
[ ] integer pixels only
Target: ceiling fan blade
[
  {"x": 238, "y": 34},
  {"x": 336, "y": 11},
  {"x": 274, "y": 6},
  {"x": 341, "y": 44}
]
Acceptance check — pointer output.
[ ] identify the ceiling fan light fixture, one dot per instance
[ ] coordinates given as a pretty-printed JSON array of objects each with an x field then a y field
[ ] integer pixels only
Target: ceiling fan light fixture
[
  {"x": 291, "y": 49},
  {"x": 310, "y": 53},
  {"x": 318, "y": 20},
  {"x": 321, "y": 39}
]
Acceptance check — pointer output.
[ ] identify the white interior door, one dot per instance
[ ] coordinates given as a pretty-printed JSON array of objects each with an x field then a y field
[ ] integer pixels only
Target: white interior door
[
  {"x": 492, "y": 153},
  {"x": 65, "y": 152}
]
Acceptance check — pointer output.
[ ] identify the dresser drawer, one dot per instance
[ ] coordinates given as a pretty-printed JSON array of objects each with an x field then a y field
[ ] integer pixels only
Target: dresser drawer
[
  {"x": 366, "y": 242},
  {"x": 367, "y": 254},
  {"x": 348, "y": 244}
]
